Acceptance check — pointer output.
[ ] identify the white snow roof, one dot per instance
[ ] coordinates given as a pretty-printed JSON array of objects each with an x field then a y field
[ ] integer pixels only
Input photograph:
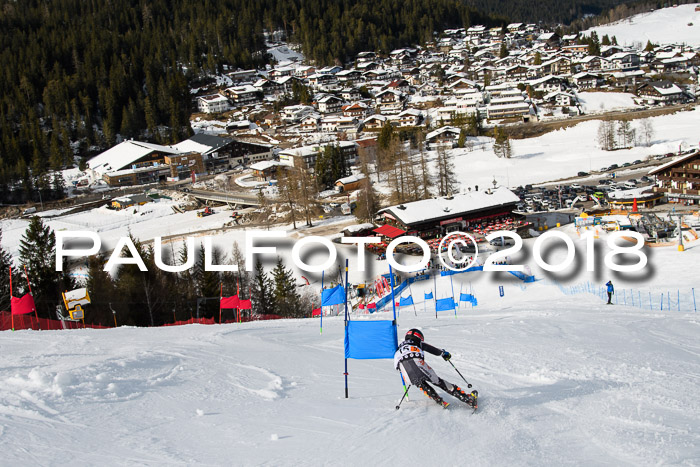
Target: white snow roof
[
  {"x": 442, "y": 130},
  {"x": 432, "y": 209},
  {"x": 124, "y": 154},
  {"x": 263, "y": 165},
  {"x": 663, "y": 167}
]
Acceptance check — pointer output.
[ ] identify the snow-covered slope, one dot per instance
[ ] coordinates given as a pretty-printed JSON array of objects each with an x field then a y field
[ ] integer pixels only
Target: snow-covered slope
[
  {"x": 563, "y": 380},
  {"x": 679, "y": 24}
]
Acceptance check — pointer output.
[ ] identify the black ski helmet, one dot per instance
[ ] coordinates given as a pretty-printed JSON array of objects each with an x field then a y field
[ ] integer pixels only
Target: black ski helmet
[{"x": 414, "y": 335}]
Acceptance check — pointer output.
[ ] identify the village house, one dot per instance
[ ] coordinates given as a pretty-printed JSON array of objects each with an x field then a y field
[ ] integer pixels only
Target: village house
[
  {"x": 213, "y": 103},
  {"x": 661, "y": 92},
  {"x": 679, "y": 179},
  {"x": 243, "y": 95},
  {"x": 389, "y": 102},
  {"x": 445, "y": 137},
  {"x": 329, "y": 104},
  {"x": 305, "y": 157},
  {"x": 351, "y": 183},
  {"x": 358, "y": 110}
]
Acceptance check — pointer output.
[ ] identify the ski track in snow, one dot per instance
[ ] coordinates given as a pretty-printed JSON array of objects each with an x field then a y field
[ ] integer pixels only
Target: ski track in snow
[{"x": 560, "y": 383}]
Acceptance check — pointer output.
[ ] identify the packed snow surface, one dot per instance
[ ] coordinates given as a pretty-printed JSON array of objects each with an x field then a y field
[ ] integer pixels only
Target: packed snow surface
[{"x": 562, "y": 381}]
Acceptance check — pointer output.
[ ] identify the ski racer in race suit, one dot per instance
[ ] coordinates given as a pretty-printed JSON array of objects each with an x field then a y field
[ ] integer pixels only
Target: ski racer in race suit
[{"x": 409, "y": 359}]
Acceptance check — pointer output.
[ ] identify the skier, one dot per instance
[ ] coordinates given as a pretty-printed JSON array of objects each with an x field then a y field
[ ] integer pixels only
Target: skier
[
  {"x": 611, "y": 291},
  {"x": 409, "y": 360}
]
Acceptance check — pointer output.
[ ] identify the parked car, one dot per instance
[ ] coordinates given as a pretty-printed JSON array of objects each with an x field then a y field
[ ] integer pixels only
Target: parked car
[
  {"x": 576, "y": 186},
  {"x": 637, "y": 162},
  {"x": 582, "y": 174}
]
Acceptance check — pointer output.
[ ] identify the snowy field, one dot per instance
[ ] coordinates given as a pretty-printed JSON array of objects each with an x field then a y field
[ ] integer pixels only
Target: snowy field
[
  {"x": 663, "y": 26},
  {"x": 562, "y": 381},
  {"x": 597, "y": 102},
  {"x": 566, "y": 152}
]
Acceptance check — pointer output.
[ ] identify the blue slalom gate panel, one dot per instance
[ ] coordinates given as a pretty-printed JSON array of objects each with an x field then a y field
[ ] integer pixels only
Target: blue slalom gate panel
[
  {"x": 365, "y": 340},
  {"x": 334, "y": 296},
  {"x": 428, "y": 296},
  {"x": 445, "y": 304},
  {"x": 406, "y": 301}
]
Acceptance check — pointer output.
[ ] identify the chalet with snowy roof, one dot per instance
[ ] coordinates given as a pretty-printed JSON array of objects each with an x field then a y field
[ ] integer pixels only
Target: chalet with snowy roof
[
  {"x": 350, "y": 94},
  {"x": 295, "y": 113},
  {"x": 243, "y": 76},
  {"x": 548, "y": 84},
  {"x": 430, "y": 217},
  {"x": 609, "y": 50},
  {"x": 213, "y": 103},
  {"x": 320, "y": 80},
  {"x": 625, "y": 61},
  {"x": 305, "y": 157},
  {"x": 348, "y": 76},
  {"x": 626, "y": 79},
  {"x": 357, "y": 110},
  {"x": 516, "y": 27},
  {"x": 221, "y": 153},
  {"x": 446, "y": 136},
  {"x": 351, "y": 183},
  {"x": 364, "y": 57},
  {"x": 662, "y": 92},
  {"x": 310, "y": 123},
  {"x": 265, "y": 170},
  {"x": 243, "y": 95},
  {"x": 551, "y": 39},
  {"x": 335, "y": 124},
  {"x": 124, "y": 202},
  {"x": 389, "y": 102},
  {"x": 407, "y": 118},
  {"x": 267, "y": 87},
  {"x": 329, "y": 104},
  {"x": 374, "y": 122},
  {"x": 131, "y": 163},
  {"x": 586, "y": 80},
  {"x": 497, "y": 109},
  {"x": 679, "y": 179},
  {"x": 560, "y": 99},
  {"x": 286, "y": 84},
  {"x": 594, "y": 63}
]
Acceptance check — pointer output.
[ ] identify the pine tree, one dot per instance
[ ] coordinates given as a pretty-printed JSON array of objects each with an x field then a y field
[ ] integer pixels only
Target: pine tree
[
  {"x": 262, "y": 292},
  {"x": 5, "y": 265},
  {"x": 287, "y": 299},
  {"x": 102, "y": 291},
  {"x": 37, "y": 251}
]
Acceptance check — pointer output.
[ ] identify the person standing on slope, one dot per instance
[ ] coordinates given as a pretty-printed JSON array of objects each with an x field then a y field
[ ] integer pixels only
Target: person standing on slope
[
  {"x": 611, "y": 291},
  {"x": 409, "y": 360}
]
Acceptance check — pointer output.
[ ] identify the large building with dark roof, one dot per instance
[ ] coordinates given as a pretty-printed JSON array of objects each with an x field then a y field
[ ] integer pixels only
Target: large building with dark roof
[{"x": 679, "y": 179}]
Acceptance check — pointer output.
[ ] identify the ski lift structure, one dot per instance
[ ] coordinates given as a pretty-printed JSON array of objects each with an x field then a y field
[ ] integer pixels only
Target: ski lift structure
[{"x": 74, "y": 302}]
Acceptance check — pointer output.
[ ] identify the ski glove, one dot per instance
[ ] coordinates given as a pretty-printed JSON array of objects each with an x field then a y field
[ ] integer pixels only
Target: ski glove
[{"x": 446, "y": 355}]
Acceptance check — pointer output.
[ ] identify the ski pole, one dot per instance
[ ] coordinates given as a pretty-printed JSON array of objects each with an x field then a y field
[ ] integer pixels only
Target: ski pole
[
  {"x": 404, "y": 396},
  {"x": 469, "y": 385}
]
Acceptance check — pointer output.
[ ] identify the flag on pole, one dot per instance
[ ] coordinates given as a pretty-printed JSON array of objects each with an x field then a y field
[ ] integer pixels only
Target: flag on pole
[
  {"x": 230, "y": 302},
  {"x": 23, "y": 305},
  {"x": 334, "y": 296},
  {"x": 428, "y": 296}
]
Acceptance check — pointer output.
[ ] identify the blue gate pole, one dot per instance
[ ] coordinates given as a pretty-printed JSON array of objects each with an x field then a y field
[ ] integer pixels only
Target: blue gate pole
[
  {"x": 662, "y": 301},
  {"x": 346, "y": 325},
  {"x": 694, "y": 304},
  {"x": 668, "y": 296},
  {"x": 624, "y": 296},
  {"x": 453, "y": 295}
]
